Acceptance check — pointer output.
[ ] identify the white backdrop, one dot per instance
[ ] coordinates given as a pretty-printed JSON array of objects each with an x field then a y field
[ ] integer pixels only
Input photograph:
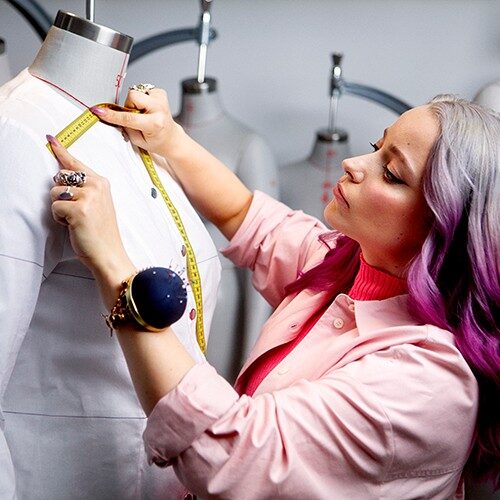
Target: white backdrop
[{"x": 272, "y": 57}]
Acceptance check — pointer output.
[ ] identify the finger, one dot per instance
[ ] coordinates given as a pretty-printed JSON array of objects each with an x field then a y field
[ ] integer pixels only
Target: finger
[
  {"x": 151, "y": 101},
  {"x": 138, "y": 100},
  {"x": 66, "y": 160},
  {"x": 65, "y": 193},
  {"x": 124, "y": 119},
  {"x": 60, "y": 212},
  {"x": 136, "y": 138}
]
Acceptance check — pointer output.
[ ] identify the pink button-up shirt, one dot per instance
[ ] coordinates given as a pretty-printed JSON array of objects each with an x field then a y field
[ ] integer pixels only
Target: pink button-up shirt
[{"x": 370, "y": 404}]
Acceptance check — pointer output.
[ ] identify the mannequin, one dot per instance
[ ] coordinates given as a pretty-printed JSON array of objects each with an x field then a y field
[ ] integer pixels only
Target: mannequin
[
  {"x": 71, "y": 425},
  {"x": 5, "y": 73},
  {"x": 240, "y": 311},
  {"x": 308, "y": 184},
  {"x": 489, "y": 96}
]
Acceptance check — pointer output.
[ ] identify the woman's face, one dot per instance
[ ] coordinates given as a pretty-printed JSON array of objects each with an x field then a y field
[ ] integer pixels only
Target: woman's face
[{"x": 379, "y": 202}]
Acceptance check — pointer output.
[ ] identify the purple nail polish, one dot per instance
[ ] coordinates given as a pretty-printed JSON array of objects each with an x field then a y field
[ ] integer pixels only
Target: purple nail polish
[
  {"x": 52, "y": 140},
  {"x": 98, "y": 111}
]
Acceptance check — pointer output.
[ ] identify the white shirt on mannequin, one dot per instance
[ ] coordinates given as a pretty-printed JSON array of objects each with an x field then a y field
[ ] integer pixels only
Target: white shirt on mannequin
[{"x": 73, "y": 425}]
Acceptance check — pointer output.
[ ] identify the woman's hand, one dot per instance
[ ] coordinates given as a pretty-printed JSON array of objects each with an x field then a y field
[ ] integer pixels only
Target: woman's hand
[
  {"x": 153, "y": 129},
  {"x": 89, "y": 214},
  {"x": 212, "y": 188}
]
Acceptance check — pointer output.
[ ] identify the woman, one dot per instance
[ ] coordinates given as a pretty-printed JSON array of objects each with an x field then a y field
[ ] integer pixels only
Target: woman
[{"x": 377, "y": 375}]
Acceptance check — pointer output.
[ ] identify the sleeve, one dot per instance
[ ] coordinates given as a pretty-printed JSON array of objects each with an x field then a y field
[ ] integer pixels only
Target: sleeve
[
  {"x": 281, "y": 444},
  {"x": 27, "y": 246},
  {"x": 276, "y": 242}
]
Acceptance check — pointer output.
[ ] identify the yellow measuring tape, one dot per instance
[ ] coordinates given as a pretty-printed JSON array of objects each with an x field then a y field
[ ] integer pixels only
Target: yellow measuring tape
[{"x": 82, "y": 124}]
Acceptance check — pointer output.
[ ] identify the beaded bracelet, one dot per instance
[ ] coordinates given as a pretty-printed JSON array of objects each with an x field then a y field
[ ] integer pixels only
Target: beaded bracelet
[{"x": 152, "y": 299}]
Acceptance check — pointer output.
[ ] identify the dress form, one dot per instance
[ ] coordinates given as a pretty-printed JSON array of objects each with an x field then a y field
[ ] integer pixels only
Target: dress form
[
  {"x": 73, "y": 424},
  {"x": 307, "y": 185},
  {"x": 489, "y": 96},
  {"x": 93, "y": 79},
  {"x": 240, "y": 311},
  {"x": 5, "y": 73}
]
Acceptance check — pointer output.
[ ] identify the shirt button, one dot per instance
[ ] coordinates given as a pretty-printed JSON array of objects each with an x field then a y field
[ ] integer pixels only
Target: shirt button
[
  {"x": 183, "y": 250},
  {"x": 154, "y": 194},
  {"x": 338, "y": 322},
  {"x": 192, "y": 314}
]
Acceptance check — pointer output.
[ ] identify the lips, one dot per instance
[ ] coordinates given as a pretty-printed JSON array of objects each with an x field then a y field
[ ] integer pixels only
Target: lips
[{"x": 339, "y": 194}]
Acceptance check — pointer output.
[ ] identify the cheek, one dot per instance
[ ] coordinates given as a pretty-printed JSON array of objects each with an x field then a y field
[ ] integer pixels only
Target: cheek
[
  {"x": 381, "y": 203},
  {"x": 394, "y": 210}
]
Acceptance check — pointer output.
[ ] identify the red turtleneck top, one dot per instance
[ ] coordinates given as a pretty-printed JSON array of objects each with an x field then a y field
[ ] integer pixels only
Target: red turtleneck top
[{"x": 369, "y": 284}]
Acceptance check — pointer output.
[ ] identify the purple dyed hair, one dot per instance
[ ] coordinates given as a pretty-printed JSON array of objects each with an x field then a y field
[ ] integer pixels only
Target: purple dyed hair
[{"x": 453, "y": 282}]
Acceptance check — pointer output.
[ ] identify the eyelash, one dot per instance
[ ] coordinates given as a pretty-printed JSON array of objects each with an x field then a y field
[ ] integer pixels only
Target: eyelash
[{"x": 388, "y": 175}]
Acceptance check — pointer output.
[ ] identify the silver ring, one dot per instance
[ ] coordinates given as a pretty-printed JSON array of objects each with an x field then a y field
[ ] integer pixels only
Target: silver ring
[
  {"x": 66, "y": 194},
  {"x": 76, "y": 179},
  {"x": 143, "y": 87}
]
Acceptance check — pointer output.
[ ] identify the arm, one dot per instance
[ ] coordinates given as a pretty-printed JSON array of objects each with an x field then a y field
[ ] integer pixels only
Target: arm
[
  {"x": 211, "y": 187},
  {"x": 301, "y": 441},
  {"x": 93, "y": 232},
  {"x": 272, "y": 443}
]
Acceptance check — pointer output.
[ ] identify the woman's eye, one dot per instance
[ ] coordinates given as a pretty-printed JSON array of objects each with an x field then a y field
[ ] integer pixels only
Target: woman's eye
[{"x": 390, "y": 177}]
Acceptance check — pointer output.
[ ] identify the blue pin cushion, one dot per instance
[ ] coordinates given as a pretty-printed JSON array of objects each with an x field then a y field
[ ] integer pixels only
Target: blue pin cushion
[{"x": 156, "y": 298}]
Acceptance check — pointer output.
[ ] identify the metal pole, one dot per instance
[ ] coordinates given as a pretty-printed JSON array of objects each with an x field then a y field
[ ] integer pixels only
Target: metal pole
[
  {"x": 90, "y": 10},
  {"x": 204, "y": 39}
]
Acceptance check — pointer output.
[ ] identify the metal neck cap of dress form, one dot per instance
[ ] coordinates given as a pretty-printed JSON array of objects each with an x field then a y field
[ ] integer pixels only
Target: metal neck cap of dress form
[
  {"x": 328, "y": 135},
  {"x": 193, "y": 86},
  {"x": 92, "y": 31}
]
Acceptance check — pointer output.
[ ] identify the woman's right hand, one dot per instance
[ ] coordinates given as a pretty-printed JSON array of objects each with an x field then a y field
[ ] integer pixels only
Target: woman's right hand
[{"x": 154, "y": 129}]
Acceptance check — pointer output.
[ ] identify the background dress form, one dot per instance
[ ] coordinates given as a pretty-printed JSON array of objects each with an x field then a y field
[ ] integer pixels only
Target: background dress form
[
  {"x": 73, "y": 424},
  {"x": 489, "y": 96},
  {"x": 307, "y": 184},
  {"x": 5, "y": 73},
  {"x": 240, "y": 311}
]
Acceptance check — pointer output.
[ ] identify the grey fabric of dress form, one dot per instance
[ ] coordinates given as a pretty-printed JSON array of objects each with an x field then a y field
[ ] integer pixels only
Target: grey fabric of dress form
[
  {"x": 489, "y": 96},
  {"x": 5, "y": 72},
  {"x": 307, "y": 184},
  {"x": 240, "y": 311}
]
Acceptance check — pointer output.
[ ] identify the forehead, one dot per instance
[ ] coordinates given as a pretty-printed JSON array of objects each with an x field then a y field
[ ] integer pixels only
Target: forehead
[
  {"x": 417, "y": 128},
  {"x": 415, "y": 133}
]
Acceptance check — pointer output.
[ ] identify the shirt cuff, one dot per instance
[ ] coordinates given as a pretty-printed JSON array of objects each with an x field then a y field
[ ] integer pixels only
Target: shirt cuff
[{"x": 187, "y": 411}]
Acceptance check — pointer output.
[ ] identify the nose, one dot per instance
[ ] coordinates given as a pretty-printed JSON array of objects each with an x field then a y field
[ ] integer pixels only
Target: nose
[{"x": 354, "y": 169}]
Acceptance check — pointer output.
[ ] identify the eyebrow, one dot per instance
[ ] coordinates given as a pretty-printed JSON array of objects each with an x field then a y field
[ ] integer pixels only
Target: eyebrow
[{"x": 394, "y": 149}]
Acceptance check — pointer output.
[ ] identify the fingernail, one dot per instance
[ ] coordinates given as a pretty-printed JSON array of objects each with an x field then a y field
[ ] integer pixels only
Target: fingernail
[
  {"x": 52, "y": 140},
  {"x": 98, "y": 111}
]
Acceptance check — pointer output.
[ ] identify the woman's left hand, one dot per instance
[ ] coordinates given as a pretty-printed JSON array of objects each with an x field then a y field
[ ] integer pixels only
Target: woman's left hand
[{"x": 89, "y": 214}]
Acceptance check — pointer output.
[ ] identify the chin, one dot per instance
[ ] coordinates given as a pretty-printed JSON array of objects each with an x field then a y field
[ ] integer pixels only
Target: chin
[{"x": 333, "y": 218}]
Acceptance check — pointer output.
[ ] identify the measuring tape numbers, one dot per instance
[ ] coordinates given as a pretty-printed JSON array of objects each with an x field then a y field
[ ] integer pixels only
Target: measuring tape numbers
[{"x": 76, "y": 129}]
